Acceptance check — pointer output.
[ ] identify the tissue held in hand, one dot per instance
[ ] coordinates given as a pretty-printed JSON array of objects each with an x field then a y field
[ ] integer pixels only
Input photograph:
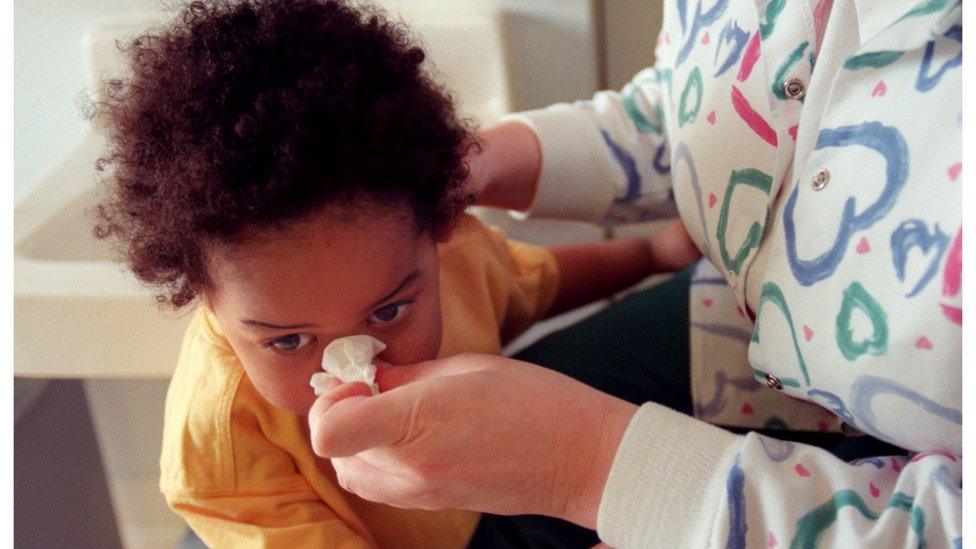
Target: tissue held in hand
[{"x": 348, "y": 359}]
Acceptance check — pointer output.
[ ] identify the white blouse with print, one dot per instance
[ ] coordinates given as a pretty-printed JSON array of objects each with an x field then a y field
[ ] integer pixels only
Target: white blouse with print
[{"x": 813, "y": 150}]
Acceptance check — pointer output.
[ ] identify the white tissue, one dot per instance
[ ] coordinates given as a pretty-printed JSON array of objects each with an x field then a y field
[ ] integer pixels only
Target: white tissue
[{"x": 348, "y": 359}]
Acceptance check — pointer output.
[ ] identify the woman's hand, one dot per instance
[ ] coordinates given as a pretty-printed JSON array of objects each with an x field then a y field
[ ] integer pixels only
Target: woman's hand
[
  {"x": 475, "y": 432},
  {"x": 672, "y": 248}
]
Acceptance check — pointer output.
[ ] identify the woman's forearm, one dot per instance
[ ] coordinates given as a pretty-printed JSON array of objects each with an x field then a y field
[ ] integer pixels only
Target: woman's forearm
[{"x": 505, "y": 170}]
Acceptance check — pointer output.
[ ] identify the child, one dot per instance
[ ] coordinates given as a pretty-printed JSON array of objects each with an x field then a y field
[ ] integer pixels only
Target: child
[{"x": 291, "y": 164}]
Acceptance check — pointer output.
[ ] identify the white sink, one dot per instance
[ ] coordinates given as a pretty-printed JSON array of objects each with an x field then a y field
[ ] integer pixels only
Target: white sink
[{"x": 79, "y": 314}]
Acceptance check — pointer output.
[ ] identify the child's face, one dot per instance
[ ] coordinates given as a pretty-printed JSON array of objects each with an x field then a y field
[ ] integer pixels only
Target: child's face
[{"x": 282, "y": 297}]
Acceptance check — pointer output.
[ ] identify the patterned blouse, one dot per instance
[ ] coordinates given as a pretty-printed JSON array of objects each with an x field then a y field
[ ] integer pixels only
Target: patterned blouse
[{"x": 813, "y": 150}]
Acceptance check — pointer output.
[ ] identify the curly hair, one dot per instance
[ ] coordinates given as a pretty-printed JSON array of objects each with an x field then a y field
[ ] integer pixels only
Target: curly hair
[{"x": 258, "y": 113}]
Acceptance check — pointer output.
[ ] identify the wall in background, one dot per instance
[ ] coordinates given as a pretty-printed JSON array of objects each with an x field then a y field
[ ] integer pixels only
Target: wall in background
[
  {"x": 630, "y": 29},
  {"x": 553, "y": 59},
  {"x": 50, "y": 75}
]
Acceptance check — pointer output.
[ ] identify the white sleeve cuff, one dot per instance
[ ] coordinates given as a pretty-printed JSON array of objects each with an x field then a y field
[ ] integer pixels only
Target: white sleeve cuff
[
  {"x": 667, "y": 481},
  {"x": 576, "y": 177}
]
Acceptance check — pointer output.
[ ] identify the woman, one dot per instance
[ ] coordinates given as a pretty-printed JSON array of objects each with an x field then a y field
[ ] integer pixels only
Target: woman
[{"x": 813, "y": 152}]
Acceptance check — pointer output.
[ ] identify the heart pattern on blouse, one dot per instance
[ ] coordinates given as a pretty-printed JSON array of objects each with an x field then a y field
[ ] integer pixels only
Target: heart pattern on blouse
[
  {"x": 954, "y": 171},
  {"x": 923, "y": 343},
  {"x": 879, "y": 89}
]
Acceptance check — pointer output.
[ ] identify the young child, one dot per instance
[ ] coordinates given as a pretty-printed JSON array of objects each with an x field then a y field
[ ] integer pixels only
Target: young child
[{"x": 290, "y": 164}]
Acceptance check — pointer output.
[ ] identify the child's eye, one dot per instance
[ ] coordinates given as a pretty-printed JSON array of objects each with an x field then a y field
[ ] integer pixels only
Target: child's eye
[
  {"x": 290, "y": 342},
  {"x": 389, "y": 313}
]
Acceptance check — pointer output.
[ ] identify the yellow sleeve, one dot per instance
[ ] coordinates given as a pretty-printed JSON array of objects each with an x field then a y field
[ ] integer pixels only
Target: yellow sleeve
[
  {"x": 532, "y": 285},
  {"x": 277, "y": 519},
  {"x": 237, "y": 469},
  {"x": 248, "y": 490},
  {"x": 521, "y": 279}
]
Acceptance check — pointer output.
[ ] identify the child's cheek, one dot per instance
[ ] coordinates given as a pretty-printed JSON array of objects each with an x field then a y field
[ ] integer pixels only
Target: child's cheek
[{"x": 283, "y": 384}]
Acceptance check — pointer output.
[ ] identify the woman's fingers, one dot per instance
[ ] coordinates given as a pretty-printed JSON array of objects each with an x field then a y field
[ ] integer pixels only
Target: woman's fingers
[
  {"x": 336, "y": 392},
  {"x": 356, "y": 423},
  {"x": 358, "y": 475},
  {"x": 674, "y": 248},
  {"x": 347, "y": 420},
  {"x": 390, "y": 377},
  {"x": 343, "y": 421},
  {"x": 346, "y": 393}
]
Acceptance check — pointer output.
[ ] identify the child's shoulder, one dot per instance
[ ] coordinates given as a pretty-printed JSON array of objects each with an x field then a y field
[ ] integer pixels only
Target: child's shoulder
[
  {"x": 207, "y": 369},
  {"x": 468, "y": 226},
  {"x": 471, "y": 235},
  {"x": 213, "y": 414},
  {"x": 475, "y": 243},
  {"x": 492, "y": 284},
  {"x": 201, "y": 391}
]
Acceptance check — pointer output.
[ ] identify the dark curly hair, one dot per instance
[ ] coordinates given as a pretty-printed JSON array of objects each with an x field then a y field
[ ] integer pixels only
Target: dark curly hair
[{"x": 258, "y": 113}]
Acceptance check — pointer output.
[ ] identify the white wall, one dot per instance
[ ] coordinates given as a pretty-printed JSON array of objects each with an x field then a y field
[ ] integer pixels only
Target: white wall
[
  {"x": 49, "y": 77},
  {"x": 630, "y": 32},
  {"x": 554, "y": 58}
]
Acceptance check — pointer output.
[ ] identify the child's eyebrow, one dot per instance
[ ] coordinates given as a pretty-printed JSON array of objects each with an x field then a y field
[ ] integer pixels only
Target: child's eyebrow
[
  {"x": 275, "y": 326},
  {"x": 407, "y": 280}
]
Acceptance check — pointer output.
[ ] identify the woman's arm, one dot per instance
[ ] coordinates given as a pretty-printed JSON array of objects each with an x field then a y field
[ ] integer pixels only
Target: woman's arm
[
  {"x": 504, "y": 168},
  {"x": 538, "y": 442},
  {"x": 597, "y": 160},
  {"x": 594, "y": 160}
]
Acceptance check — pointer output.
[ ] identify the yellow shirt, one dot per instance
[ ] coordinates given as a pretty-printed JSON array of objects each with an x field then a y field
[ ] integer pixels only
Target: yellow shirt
[{"x": 242, "y": 472}]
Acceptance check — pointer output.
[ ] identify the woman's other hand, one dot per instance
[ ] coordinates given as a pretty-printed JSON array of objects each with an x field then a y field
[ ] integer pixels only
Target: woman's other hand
[
  {"x": 672, "y": 248},
  {"x": 476, "y": 432}
]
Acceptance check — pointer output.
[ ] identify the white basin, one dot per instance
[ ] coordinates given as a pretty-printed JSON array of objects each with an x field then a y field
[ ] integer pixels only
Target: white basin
[{"x": 79, "y": 314}]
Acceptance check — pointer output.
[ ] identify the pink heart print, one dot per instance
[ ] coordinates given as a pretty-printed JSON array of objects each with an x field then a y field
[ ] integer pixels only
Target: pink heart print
[
  {"x": 879, "y": 89},
  {"x": 954, "y": 171},
  {"x": 923, "y": 343}
]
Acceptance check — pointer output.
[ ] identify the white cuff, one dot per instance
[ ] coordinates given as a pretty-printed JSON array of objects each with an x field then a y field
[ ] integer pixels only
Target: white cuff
[
  {"x": 667, "y": 481},
  {"x": 576, "y": 177}
]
